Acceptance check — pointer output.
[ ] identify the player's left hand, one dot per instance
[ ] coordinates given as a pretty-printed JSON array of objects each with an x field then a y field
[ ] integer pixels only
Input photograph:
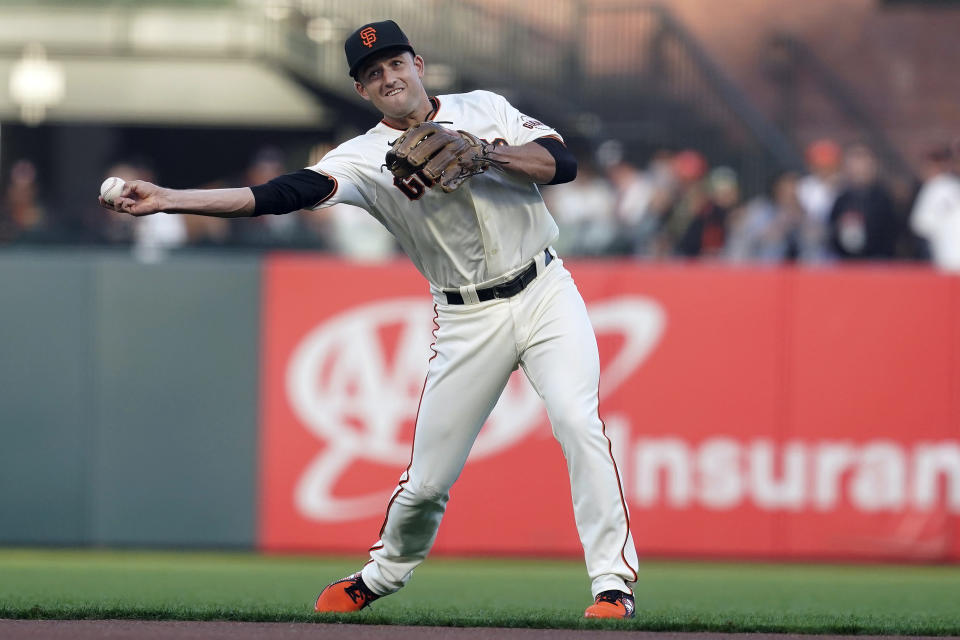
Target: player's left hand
[{"x": 446, "y": 157}]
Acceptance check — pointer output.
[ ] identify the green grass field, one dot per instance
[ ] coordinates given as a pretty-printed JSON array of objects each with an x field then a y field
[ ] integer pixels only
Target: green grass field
[{"x": 676, "y": 596}]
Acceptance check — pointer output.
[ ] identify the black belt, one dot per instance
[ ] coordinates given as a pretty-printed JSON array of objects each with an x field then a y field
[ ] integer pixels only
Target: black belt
[{"x": 506, "y": 289}]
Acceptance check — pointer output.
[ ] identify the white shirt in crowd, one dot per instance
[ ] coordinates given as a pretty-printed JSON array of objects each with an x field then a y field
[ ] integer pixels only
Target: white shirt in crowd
[
  {"x": 816, "y": 196},
  {"x": 357, "y": 236},
  {"x": 936, "y": 217},
  {"x": 154, "y": 235}
]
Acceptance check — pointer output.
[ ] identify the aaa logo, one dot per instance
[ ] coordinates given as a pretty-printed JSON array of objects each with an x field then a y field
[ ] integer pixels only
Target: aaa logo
[{"x": 355, "y": 394}]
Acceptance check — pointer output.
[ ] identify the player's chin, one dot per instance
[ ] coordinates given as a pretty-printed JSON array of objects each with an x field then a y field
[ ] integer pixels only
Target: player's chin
[{"x": 396, "y": 106}]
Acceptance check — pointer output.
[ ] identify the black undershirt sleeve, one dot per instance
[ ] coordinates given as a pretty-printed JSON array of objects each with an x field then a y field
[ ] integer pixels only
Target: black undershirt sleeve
[
  {"x": 566, "y": 163},
  {"x": 301, "y": 189}
]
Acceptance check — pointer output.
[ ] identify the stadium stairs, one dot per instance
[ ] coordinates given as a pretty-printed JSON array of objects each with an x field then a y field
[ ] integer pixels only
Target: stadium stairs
[{"x": 626, "y": 71}]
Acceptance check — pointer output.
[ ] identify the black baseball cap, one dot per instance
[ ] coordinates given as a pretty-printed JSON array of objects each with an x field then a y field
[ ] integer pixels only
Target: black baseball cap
[{"x": 371, "y": 39}]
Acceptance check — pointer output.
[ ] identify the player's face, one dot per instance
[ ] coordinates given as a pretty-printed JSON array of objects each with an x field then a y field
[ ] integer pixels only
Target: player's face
[{"x": 393, "y": 84}]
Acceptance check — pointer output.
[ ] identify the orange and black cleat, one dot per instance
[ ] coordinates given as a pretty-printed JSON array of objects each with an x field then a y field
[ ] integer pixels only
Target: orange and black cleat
[
  {"x": 611, "y": 604},
  {"x": 345, "y": 596}
]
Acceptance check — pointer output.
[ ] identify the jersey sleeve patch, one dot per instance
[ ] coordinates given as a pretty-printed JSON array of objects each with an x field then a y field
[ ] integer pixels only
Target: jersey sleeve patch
[{"x": 530, "y": 123}]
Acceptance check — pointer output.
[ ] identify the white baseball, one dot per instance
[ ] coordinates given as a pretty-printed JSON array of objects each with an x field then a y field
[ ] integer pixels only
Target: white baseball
[{"x": 111, "y": 188}]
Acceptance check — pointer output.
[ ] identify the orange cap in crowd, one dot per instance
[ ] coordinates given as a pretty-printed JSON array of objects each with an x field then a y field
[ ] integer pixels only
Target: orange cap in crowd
[
  {"x": 824, "y": 154},
  {"x": 689, "y": 165}
]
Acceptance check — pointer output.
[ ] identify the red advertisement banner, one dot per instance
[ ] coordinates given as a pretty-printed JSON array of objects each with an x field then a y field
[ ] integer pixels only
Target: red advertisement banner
[{"x": 754, "y": 413}]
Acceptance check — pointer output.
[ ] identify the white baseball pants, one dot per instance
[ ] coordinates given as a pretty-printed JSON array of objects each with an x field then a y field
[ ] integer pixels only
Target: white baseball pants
[{"x": 546, "y": 330}]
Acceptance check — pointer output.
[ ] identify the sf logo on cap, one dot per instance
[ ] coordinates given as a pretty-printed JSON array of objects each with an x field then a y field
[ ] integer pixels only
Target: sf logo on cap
[{"x": 368, "y": 36}]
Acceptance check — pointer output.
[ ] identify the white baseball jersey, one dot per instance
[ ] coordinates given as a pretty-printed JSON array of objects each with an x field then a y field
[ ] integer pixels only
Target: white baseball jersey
[
  {"x": 494, "y": 226},
  {"x": 480, "y": 233}
]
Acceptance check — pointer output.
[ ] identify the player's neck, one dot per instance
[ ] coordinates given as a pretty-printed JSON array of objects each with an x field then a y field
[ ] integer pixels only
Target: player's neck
[{"x": 421, "y": 113}]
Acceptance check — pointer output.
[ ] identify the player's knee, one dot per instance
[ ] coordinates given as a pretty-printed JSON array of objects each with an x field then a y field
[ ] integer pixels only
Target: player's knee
[{"x": 424, "y": 492}]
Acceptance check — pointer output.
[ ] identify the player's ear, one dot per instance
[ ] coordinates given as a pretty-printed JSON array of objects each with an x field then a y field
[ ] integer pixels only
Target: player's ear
[
  {"x": 418, "y": 63},
  {"x": 361, "y": 90}
]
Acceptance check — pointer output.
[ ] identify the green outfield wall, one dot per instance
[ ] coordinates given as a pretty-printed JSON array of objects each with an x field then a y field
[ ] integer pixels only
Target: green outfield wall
[
  {"x": 128, "y": 399},
  {"x": 236, "y": 400}
]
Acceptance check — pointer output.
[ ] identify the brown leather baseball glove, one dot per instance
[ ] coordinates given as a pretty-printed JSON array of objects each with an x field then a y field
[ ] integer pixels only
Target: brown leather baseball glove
[{"x": 446, "y": 157}]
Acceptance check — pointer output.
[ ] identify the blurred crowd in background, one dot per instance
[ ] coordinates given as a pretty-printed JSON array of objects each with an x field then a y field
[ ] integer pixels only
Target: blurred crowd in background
[
  {"x": 675, "y": 207},
  {"x": 841, "y": 208}
]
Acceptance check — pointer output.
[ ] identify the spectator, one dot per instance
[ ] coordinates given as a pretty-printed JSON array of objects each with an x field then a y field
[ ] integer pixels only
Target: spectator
[
  {"x": 816, "y": 192},
  {"x": 936, "y": 213},
  {"x": 353, "y": 233},
  {"x": 23, "y": 217},
  {"x": 863, "y": 223},
  {"x": 584, "y": 211},
  {"x": 682, "y": 231},
  {"x": 774, "y": 228},
  {"x": 659, "y": 195},
  {"x": 633, "y": 192},
  {"x": 706, "y": 235}
]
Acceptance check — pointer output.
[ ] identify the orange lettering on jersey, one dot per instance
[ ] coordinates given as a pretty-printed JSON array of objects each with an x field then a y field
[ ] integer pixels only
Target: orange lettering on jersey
[{"x": 368, "y": 36}]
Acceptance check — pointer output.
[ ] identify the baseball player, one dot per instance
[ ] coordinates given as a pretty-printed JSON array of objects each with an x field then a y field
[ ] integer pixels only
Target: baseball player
[{"x": 459, "y": 191}]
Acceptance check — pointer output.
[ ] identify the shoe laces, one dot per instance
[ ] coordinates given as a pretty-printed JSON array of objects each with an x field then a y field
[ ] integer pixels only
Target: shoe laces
[
  {"x": 359, "y": 592},
  {"x": 613, "y": 596}
]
